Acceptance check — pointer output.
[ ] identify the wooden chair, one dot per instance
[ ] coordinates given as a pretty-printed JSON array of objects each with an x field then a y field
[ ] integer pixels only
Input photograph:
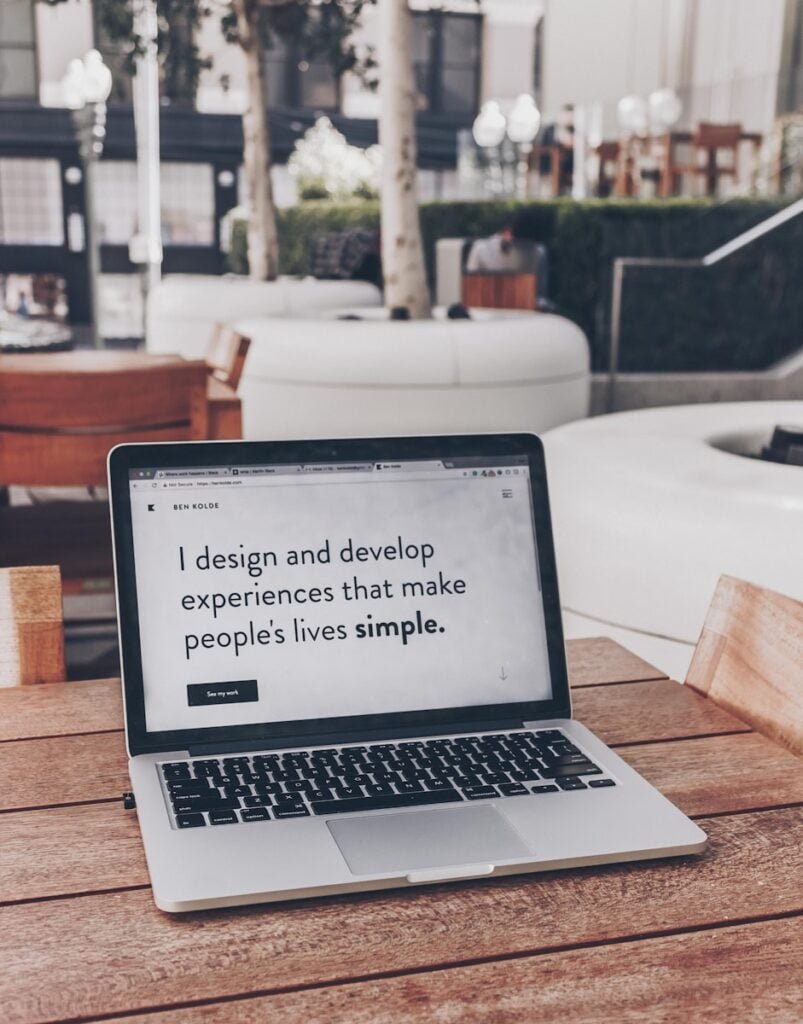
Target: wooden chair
[
  {"x": 59, "y": 416},
  {"x": 225, "y": 354},
  {"x": 749, "y": 659},
  {"x": 708, "y": 142},
  {"x": 31, "y": 626}
]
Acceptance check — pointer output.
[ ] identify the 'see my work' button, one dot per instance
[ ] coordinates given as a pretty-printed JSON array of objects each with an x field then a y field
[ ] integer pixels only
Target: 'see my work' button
[{"x": 237, "y": 691}]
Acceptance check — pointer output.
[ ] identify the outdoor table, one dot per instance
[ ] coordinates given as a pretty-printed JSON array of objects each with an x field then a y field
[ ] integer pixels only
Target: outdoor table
[
  {"x": 715, "y": 938},
  {"x": 18, "y": 334}
]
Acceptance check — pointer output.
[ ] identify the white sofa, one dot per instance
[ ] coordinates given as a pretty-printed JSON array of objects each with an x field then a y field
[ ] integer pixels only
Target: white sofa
[
  {"x": 183, "y": 308},
  {"x": 498, "y": 371},
  {"x": 648, "y": 513}
]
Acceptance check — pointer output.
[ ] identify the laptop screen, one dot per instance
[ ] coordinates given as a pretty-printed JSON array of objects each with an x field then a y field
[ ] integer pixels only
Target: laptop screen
[{"x": 275, "y": 593}]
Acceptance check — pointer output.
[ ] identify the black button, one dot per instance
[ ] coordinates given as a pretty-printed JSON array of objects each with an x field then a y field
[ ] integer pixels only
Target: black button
[
  {"x": 571, "y": 783},
  {"x": 190, "y": 820},
  {"x": 599, "y": 783},
  {"x": 543, "y": 789},
  {"x": 512, "y": 789},
  {"x": 222, "y": 817},
  {"x": 255, "y": 814},
  {"x": 479, "y": 792},
  {"x": 290, "y": 810}
]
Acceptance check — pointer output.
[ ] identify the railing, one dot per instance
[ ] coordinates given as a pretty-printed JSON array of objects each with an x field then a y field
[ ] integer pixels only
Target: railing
[{"x": 717, "y": 256}]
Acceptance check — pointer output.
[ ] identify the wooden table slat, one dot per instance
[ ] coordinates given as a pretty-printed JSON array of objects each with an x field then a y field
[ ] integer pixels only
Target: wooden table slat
[
  {"x": 115, "y": 952},
  {"x": 96, "y": 706},
  {"x": 698, "y": 976},
  {"x": 703, "y": 776}
]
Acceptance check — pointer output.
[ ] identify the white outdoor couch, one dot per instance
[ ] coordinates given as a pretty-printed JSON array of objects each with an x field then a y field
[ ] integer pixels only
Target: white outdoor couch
[
  {"x": 183, "y": 308},
  {"x": 334, "y": 378},
  {"x": 648, "y": 513}
]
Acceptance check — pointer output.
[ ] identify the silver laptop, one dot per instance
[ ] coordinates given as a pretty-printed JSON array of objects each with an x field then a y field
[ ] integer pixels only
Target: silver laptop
[{"x": 343, "y": 669}]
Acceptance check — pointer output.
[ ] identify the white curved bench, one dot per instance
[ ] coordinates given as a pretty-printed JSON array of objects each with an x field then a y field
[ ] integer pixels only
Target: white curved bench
[
  {"x": 648, "y": 514},
  {"x": 335, "y": 378},
  {"x": 183, "y": 308}
]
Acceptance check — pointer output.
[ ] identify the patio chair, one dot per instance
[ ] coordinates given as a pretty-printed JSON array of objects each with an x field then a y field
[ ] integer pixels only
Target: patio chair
[
  {"x": 31, "y": 626},
  {"x": 59, "y": 416},
  {"x": 749, "y": 659},
  {"x": 225, "y": 354}
]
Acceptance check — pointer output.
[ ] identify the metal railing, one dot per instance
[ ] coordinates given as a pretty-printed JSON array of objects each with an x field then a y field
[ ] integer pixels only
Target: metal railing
[{"x": 712, "y": 259}]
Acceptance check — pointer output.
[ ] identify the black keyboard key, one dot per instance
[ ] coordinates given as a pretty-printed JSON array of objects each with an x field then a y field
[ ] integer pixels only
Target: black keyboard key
[
  {"x": 383, "y": 803},
  {"x": 479, "y": 792},
  {"x": 237, "y": 790},
  {"x": 550, "y": 734},
  {"x": 525, "y": 775},
  {"x": 257, "y": 801},
  {"x": 599, "y": 783},
  {"x": 438, "y": 785},
  {"x": 269, "y": 788},
  {"x": 321, "y": 794},
  {"x": 286, "y": 809},
  {"x": 189, "y": 786},
  {"x": 190, "y": 820},
  {"x": 186, "y": 804},
  {"x": 409, "y": 787},
  {"x": 374, "y": 789},
  {"x": 544, "y": 789},
  {"x": 255, "y": 814},
  {"x": 566, "y": 770},
  {"x": 347, "y": 792},
  {"x": 298, "y": 787},
  {"x": 560, "y": 759},
  {"x": 571, "y": 782},
  {"x": 494, "y": 778},
  {"x": 512, "y": 789},
  {"x": 223, "y": 818}
]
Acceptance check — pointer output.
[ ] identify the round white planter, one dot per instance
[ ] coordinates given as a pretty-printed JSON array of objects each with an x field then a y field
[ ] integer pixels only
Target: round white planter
[
  {"x": 337, "y": 378},
  {"x": 648, "y": 513},
  {"x": 183, "y": 308}
]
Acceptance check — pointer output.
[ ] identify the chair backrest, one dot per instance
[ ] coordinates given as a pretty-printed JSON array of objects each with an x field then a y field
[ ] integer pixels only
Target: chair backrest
[
  {"x": 749, "y": 659},
  {"x": 225, "y": 354},
  {"x": 717, "y": 136},
  {"x": 60, "y": 414},
  {"x": 31, "y": 626}
]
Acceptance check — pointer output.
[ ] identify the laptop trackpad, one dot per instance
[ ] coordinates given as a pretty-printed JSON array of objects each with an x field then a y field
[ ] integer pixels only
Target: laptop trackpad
[{"x": 407, "y": 840}]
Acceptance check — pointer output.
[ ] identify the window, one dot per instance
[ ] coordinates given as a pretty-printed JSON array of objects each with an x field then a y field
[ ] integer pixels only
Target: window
[
  {"x": 292, "y": 81},
  {"x": 188, "y": 202},
  {"x": 446, "y": 59},
  {"x": 30, "y": 202},
  {"x": 17, "y": 50}
]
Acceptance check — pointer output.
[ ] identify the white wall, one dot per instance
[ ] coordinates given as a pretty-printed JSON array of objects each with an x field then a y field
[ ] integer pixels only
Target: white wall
[
  {"x": 721, "y": 55},
  {"x": 62, "y": 32}
]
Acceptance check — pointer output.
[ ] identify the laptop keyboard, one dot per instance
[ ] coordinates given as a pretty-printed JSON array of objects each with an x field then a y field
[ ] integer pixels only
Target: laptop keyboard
[{"x": 379, "y": 776}]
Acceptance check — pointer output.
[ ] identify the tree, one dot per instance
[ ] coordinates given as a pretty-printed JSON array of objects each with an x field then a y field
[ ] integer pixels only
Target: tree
[
  {"x": 317, "y": 29},
  {"x": 402, "y": 252}
]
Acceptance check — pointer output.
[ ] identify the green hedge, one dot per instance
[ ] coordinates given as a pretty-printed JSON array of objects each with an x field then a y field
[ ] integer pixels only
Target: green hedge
[{"x": 743, "y": 314}]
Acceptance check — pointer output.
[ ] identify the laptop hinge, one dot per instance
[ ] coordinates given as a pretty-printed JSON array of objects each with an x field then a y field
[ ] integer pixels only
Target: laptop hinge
[{"x": 336, "y": 739}]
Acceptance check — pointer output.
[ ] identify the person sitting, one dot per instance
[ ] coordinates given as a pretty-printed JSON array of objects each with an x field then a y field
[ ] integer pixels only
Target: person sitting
[{"x": 502, "y": 252}]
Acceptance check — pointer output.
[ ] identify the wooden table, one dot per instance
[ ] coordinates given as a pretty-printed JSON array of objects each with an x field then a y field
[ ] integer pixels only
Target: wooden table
[{"x": 716, "y": 938}]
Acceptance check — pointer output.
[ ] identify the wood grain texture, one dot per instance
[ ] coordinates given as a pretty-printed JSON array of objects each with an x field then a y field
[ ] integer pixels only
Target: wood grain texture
[
  {"x": 600, "y": 661},
  {"x": 501, "y": 290},
  {"x": 226, "y": 353},
  {"x": 31, "y": 626},
  {"x": 749, "y": 659},
  {"x": 59, "y": 709},
  {"x": 649, "y": 711},
  {"x": 702, "y": 776},
  {"x": 115, "y": 952},
  {"x": 698, "y": 977},
  {"x": 97, "y": 705}
]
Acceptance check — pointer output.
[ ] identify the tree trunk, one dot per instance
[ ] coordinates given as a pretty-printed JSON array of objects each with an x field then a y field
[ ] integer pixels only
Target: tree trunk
[
  {"x": 402, "y": 252},
  {"x": 263, "y": 242}
]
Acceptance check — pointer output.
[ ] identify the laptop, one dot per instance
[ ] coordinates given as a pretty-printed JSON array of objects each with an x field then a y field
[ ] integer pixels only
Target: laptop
[{"x": 344, "y": 670}]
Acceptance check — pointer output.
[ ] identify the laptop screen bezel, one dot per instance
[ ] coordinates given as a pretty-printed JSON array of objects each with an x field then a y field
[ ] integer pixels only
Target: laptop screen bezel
[{"x": 125, "y": 458}]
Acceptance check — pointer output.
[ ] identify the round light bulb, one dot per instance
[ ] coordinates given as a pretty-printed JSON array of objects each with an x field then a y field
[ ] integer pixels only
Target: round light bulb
[
  {"x": 665, "y": 107},
  {"x": 524, "y": 120},
  {"x": 97, "y": 78},
  {"x": 632, "y": 114},
  {"x": 489, "y": 125}
]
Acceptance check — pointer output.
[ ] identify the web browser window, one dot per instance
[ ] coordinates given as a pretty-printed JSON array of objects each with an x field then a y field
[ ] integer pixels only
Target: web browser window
[{"x": 275, "y": 593}]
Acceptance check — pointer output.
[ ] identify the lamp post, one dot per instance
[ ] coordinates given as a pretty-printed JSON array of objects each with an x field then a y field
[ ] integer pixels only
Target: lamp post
[
  {"x": 86, "y": 87},
  {"x": 489, "y": 132},
  {"x": 521, "y": 125}
]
